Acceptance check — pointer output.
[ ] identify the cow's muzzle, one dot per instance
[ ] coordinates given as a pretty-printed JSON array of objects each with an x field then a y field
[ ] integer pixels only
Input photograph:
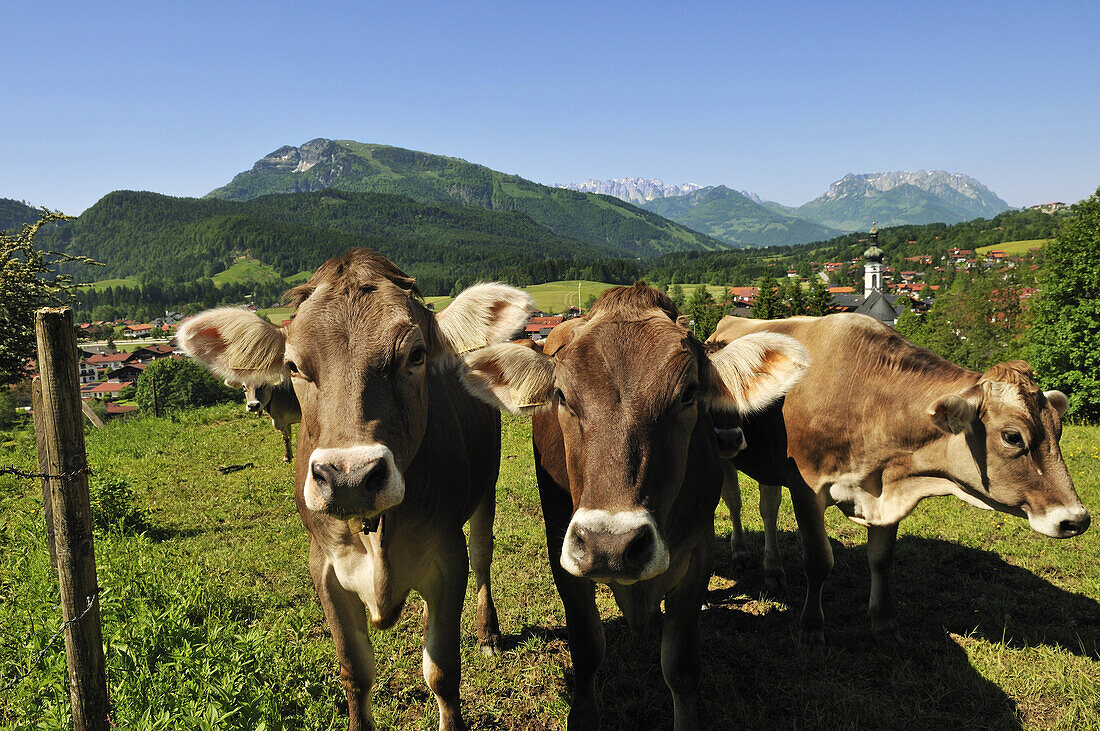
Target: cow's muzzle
[
  {"x": 1061, "y": 522},
  {"x": 253, "y": 406},
  {"x": 622, "y": 547},
  {"x": 730, "y": 441},
  {"x": 354, "y": 481}
]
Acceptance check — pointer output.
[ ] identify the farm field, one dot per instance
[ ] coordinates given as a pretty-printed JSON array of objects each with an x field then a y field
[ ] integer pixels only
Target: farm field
[
  {"x": 210, "y": 620},
  {"x": 107, "y": 283},
  {"x": 1013, "y": 247},
  {"x": 246, "y": 270}
]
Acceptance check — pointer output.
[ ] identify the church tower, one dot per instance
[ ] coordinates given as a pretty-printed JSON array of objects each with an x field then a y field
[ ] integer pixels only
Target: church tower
[{"x": 872, "y": 264}]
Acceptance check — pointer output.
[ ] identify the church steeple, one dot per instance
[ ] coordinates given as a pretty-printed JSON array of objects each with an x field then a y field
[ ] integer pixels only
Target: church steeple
[{"x": 872, "y": 264}]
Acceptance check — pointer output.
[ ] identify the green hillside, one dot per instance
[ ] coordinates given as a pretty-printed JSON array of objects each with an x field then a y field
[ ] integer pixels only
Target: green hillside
[
  {"x": 738, "y": 220},
  {"x": 147, "y": 235},
  {"x": 905, "y": 204},
  {"x": 346, "y": 165},
  {"x": 13, "y": 214}
]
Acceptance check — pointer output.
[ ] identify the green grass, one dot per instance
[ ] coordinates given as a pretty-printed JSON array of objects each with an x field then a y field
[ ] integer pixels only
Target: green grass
[
  {"x": 1013, "y": 247},
  {"x": 246, "y": 270},
  {"x": 276, "y": 314},
  {"x": 209, "y": 613},
  {"x": 105, "y": 283}
]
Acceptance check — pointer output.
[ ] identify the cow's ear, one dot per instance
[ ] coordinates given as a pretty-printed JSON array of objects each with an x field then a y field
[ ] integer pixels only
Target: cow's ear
[
  {"x": 753, "y": 371},
  {"x": 235, "y": 344},
  {"x": 1058, "y": 400},
  {"x": 510, "y": 376},
  {"x": 953, "y": 414},
  {"x": 483, "y": 315}
]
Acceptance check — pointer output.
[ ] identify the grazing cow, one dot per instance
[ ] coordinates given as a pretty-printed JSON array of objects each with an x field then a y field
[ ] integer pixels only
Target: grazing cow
[
  {"x": 876, "y": 425},
  {"x": 278, "y": 401},
  {"x": 394, "y": 455},
  {"x": 628, "y": 466}
]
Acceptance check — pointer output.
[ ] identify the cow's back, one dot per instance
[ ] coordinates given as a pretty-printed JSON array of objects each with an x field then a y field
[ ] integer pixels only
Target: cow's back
[{"x": 862, "y": 382}]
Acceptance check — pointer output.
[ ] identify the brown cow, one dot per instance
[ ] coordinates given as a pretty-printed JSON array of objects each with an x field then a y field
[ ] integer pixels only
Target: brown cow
[
  {"x": 394, "y": 455},
  {"x": 280, "y": 403},
  {"x": 628, "y": 466},
  {"x": 878, "y": 424}
]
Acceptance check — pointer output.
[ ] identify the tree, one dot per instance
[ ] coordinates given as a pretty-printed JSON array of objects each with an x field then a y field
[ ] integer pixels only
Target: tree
[
  {"x": 180, "y": 384},
  {"x": 818, "y": 298},
  {"x": 706, "y": 313},
  {"x": 769, "y": 303},
  {"x": 28, "y": 281},
  {"x": 1065, "y": 331},
  {"x": 676, "y": 294}
]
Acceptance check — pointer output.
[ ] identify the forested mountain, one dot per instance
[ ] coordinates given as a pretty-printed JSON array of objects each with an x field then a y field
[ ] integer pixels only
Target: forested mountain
[
  {"x": 148, "y": 235},
  {"x": 596, "y": 220},
  {"x": 900, "y": 198},
  {"x": 13, "y": 214},
  {"x": 738, "y": 220}
]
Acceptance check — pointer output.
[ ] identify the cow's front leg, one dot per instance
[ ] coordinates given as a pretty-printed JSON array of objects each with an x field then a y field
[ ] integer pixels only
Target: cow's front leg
[
  {"x": 287, "y": 455},
  {"x": 347, "y": 620},
  {"x": 731, "y": 496},
  {"x": 582, "y": 619},
  {"x": 481, "y": 557},
  {"x": 443, "y": 593},
  {"x": 771, "y": 497},
  {"x": 680, "y": 639},
  {"x": 817, "y": 556},
  {"x": 881, "y": 540}
]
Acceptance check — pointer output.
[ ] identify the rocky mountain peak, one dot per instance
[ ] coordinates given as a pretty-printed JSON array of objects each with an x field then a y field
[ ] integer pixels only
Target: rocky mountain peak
[{"x": 633, "y": 190}]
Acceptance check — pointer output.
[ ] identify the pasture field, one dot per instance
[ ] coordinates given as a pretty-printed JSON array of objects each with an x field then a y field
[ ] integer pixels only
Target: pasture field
[
  {"x": 246, "y": 270},
  {"x": 107, "y": 283},
  {"x": 1013, "y": 247},
  {"x": 210, "y": 620}
]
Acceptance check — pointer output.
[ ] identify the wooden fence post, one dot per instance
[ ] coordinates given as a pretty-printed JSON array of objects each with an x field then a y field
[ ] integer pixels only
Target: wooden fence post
[{"x": 62, "y": 432}]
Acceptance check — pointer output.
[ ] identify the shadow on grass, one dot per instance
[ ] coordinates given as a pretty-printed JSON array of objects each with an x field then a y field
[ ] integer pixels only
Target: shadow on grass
[
  {"x": 756, "y": 675},
  {"x": 938, "y": 586}
]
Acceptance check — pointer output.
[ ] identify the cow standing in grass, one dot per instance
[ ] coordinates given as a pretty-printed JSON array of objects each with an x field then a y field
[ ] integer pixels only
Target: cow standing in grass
[
  {"x": 628, "y": 467},
  {"x": 876, "y": 425},
  {"x": 394, "y": 455},
  {"x": 280, "y": 403}
]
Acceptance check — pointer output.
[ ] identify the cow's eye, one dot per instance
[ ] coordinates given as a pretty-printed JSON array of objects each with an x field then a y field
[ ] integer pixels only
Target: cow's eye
[
  {"x": 687, "y": 398},
  {"x": 562, "y": 401},
  {"x": 417, "y": 357},
  {"x": 293, "y": 368},
  {"x": 1013, "y": 438}
]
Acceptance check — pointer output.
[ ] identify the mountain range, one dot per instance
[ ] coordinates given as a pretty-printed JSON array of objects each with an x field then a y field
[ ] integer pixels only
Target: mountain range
[{"x": 850, "y": 204}]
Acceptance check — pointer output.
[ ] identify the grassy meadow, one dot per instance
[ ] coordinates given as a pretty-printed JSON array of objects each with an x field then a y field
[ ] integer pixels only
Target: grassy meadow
[
  {"x": 210, "y": 619},
  {"x": 1013, "y": 247}
]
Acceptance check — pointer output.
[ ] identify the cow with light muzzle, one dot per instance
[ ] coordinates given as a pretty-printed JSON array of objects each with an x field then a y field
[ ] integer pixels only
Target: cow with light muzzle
[
  {"x": 628, "y": 466},
  {"x": 394, "y": 455}
]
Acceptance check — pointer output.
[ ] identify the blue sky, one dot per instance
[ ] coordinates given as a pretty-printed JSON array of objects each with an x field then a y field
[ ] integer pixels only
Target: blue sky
[{"x": 778, "y": 98}]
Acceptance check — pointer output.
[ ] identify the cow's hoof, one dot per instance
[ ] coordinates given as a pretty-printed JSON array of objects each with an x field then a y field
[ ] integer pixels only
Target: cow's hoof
[
  {"x": 888, "y": 638},
  {"x": 491, "y": 647},
  {"x": 812, "y": 638},
  {"x": 775, "y": 581}
]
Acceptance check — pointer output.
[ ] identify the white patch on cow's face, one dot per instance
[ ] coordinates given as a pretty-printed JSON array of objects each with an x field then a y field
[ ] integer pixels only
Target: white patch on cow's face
[
  {"x": 616, "y": 524},
  {"x": 1060, "y": 521},
  {"x": 321, "y": 498}
]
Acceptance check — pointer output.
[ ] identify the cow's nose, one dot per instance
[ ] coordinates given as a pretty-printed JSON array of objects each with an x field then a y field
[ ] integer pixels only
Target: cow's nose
[
  {"x": 730, "y": 441},
  {"x": 607, "y": 554},
  {"x": 332, "y": 479},
  {"x": 253, "y": 406},
  {"x": 1075, "y": 526}
]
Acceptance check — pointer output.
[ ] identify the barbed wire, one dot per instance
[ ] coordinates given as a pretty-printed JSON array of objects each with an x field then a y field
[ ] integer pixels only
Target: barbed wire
[
  {"x": 91, "y": 601},
  {"x": 71, "y": 474}
]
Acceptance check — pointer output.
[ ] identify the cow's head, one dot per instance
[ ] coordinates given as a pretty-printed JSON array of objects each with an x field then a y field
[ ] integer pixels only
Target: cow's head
[
  {"x": 256, "y": 396},
  {"x": 1004, "y": 449},
  {"x": 358, "y": 352},
  {"x": 626, "y": 384}
]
